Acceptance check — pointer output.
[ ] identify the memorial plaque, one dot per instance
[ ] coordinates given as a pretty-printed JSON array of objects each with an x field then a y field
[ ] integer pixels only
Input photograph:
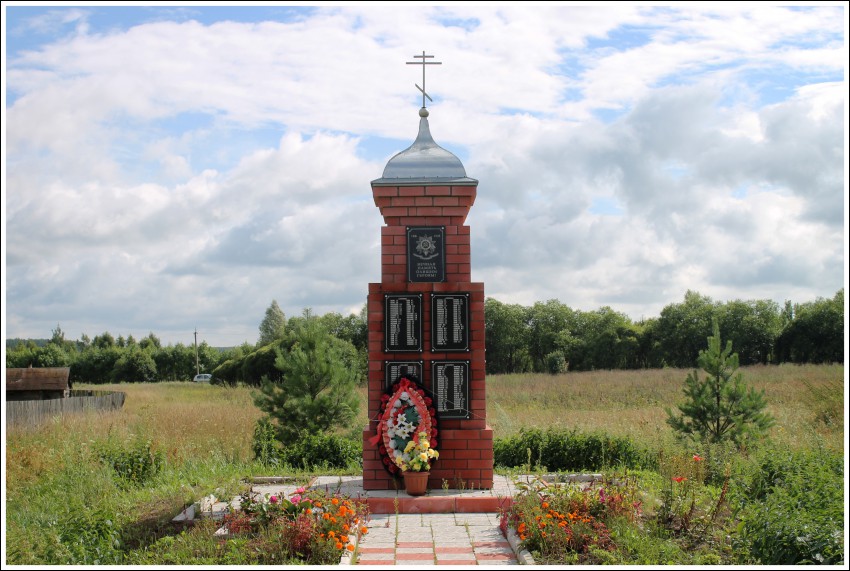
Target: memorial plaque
[
  {"x": 450, "y": 322},
  {"x": 403, "y": 322},
  {"x": 394, "y": 370},
  {"x": 450, "y": 382},
  {"x": 426, "y": 253}
]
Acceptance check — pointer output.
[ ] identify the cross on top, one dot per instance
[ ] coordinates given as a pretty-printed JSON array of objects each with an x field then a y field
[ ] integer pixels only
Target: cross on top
[{"x": 423, "y": 63}]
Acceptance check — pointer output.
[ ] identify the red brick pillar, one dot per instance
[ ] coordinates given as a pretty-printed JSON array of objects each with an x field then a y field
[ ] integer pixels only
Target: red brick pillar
[{"x": 465, "y": 444}]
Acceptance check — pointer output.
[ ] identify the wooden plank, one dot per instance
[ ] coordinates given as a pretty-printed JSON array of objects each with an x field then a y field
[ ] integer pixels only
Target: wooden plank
[
  {"x": 37, "y": 379},
  {"x": 33, "y": 412}
]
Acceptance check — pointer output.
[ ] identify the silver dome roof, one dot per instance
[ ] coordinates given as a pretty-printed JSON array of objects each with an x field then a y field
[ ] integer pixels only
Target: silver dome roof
[{"x": 424, "y": 161}]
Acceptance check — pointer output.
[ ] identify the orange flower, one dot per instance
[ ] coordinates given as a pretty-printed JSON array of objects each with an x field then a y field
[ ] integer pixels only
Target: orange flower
[
  {"x": 345, "y": 527},
  {"x": 545, "y": 505},
  {"x": 350, "y": 547},
  {"x": 364, "y": 529},
  {"x": 335, "y": 502},
  {"x": 331, "y": 534},
  {"x": 326, "y": 515},
  {"x": 338, "y": 545},
  {"x": 318, "y": 504},
  {"x": 333, "y": 519},
  {"x": 343, "y": 538}
]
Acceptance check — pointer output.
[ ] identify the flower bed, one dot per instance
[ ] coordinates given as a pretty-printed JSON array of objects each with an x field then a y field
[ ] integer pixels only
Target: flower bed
[
  {"x": 560, "y": 523},
  {"x": 311, "y": 525}
]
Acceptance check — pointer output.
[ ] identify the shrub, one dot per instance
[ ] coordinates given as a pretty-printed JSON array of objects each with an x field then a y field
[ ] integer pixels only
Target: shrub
[
  {"x": 561, "y": 450},
  {"x": 134, "y": 464},
  {"x": 556, "y": 363},
  {"x": 264, "y": 443},
  {"x": 88, "y": 537},
  {"x": 791, "y": 508},
  {"x": 322, "y": 451}
]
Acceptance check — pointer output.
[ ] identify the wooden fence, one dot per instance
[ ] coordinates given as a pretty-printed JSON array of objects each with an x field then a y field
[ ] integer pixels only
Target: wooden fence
[{"x": 33, "y": 412}]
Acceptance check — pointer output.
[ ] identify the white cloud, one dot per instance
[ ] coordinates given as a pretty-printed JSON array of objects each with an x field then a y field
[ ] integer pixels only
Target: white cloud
[{"x": 178, "y": 174}]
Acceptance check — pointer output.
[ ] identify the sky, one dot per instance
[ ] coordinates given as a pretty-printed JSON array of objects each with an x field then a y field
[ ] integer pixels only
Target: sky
[{"x": 175, "y": 167}]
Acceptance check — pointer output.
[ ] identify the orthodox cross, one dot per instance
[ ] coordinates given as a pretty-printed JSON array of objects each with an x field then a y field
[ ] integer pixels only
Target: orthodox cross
[{"x": 423, "y": 63}]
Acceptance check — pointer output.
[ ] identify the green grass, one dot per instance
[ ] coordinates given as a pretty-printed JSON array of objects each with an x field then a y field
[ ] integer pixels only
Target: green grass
[{"x": 65, "y": 505}]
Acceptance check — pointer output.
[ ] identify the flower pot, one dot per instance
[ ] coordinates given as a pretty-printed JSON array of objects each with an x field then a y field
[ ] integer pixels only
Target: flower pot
[{"x": 415, "y": 483}]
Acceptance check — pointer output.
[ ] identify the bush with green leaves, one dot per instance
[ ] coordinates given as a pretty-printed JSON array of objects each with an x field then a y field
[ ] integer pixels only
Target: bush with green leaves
[
  {"x": 791, "y": 508},
  {"x": 88, "y": 537},
  {"x": 322, "y": 451},
  {"x": 264, "y": 442},
  {"x": 134, "y": 463},
  {"x": 563, "y": 450},
  {"x": 556, "y": 363}
]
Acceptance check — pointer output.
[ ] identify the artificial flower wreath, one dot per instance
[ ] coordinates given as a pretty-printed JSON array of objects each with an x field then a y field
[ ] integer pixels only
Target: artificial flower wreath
[{"x": 404, "y": 415}]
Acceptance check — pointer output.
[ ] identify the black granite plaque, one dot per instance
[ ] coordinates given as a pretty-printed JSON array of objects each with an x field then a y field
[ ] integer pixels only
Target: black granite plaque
[
  {"x": 450, "y": 322},
  {"x": 403, "y": 322},
  {"x": 394, "y": 370},
  {"x": 426, "y": 253},
  {"x": 450, "y": 382}
]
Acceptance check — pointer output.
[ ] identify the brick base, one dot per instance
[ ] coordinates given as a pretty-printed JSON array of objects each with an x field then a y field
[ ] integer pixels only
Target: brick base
[{"x": 466, "y": 462}]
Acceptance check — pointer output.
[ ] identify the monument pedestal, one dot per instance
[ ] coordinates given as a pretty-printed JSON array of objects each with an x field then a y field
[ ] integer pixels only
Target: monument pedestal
[{"x": 426, "y": 316}]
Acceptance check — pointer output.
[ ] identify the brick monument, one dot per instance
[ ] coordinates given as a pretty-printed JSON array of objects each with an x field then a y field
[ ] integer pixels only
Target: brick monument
[{"x": 426, "y": 316}]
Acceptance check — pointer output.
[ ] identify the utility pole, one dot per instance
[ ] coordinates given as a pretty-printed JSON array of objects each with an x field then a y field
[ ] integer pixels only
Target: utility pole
[{"x": 197, "y": 363}]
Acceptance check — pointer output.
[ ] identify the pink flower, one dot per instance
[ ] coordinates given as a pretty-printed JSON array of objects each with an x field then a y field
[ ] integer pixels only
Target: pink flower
[
  {"x": 300, "y": 490},
  {"x": 273, "y": 499}
]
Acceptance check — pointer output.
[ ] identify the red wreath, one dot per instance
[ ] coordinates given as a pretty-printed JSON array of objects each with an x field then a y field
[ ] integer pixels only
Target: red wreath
[{"x": 417, "y": 400}]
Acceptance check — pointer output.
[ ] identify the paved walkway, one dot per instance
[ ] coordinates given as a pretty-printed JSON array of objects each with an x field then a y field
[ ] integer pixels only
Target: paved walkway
[{"x": 434, "y": 539}]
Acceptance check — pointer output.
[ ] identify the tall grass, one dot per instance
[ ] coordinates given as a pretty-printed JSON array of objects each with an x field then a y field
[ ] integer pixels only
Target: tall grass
[
  {"x": 632, "y": 403},
  {"x": 65, "y": 505}
]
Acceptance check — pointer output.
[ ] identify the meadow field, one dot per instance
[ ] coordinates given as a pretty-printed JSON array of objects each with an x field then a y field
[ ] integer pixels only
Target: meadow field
[{"x": 64, "y": 504}]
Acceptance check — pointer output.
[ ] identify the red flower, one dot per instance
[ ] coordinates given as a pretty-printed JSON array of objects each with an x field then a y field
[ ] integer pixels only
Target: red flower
[
  {"x": 697, "y": 458},
  {"x": 428, "y": 401},
  {"x": 382, "y": 450},
  {"x": 679, "y": 479}
]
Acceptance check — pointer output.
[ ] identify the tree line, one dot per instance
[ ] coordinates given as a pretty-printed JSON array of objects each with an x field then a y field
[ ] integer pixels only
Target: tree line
[
  {"x": 551, "y": 337},
  {"x": 546, "y": 337}
]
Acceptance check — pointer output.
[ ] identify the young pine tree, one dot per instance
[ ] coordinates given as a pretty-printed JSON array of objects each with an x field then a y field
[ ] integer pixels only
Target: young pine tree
[
  {"x": 720, "y": 407},
  {"x": 316, "y": 392}
]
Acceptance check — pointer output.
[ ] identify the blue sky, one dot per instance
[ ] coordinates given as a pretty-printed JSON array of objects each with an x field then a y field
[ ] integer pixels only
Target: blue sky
[{"x": 170, "y": 167}]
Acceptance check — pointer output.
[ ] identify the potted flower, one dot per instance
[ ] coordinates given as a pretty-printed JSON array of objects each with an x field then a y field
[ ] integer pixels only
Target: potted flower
[{"x": 415, "y": 462}]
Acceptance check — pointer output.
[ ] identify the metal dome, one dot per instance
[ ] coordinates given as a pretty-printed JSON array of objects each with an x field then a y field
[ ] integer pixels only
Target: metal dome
[{"x": 424, "y": 161}]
